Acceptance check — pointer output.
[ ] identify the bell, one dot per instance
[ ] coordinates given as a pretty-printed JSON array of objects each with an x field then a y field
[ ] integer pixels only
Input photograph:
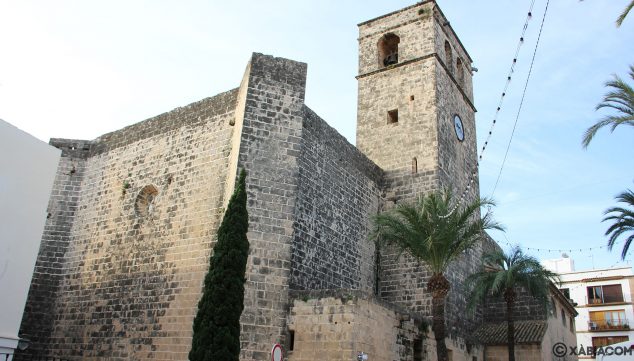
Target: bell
[{"x": 390, "y": 59}]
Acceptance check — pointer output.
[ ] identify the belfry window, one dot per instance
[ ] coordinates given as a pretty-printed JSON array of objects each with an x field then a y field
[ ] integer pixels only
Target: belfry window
[
  {"x": 448, "y": 57},
  {"x": 388, "y": 50}
]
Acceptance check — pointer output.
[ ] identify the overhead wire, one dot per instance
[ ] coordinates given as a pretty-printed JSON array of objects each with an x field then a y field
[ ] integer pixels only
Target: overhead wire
[
  {"x": 519, "y": 110},
  {"x": 474, "y": 173}
]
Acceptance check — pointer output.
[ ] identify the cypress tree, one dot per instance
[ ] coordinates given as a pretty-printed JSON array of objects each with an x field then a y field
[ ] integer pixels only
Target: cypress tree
[{"x": 217, "y": 323}]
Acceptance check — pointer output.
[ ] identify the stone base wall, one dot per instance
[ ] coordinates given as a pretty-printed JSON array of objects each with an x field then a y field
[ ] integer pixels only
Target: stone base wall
[
  {"x": 337, "y": 324},
  {"x": 337, "y": 327},
  {"x": 522, "y": 353}
]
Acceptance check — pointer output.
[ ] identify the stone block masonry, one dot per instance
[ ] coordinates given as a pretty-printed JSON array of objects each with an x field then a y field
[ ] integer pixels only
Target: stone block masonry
[
  {"x": 134, "y": 213},
  {"x": 138, "y": 211},
  {"x": 269, "y": 150},
  {"x": 406, "y": 125},
  {"x": 38, "y": 318},
  {"x": 337, "y": 324},
  {"x": 125, "y": 267},
  {"x": 339, "y": 190}
]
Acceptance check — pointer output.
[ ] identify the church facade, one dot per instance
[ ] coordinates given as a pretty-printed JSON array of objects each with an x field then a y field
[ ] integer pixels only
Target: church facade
[{"x": 133, "y": 214}]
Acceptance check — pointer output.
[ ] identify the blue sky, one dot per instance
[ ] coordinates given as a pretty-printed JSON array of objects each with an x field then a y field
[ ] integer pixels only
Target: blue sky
[{"x": 77, "y": 69}]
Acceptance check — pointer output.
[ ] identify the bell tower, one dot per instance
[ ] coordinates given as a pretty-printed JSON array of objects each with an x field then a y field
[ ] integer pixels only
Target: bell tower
[
  {"x": 415, "y": 112},
  {"x": 416, "y": 120}
]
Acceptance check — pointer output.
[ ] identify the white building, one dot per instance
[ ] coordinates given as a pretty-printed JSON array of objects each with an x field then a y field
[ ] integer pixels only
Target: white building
[
  {"x": 604, "y": 302},
  {"x": 27, "y": 171}
]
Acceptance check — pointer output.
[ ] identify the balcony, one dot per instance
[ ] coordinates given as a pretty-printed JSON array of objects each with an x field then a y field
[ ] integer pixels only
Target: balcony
[
  {"x": 606, "y": 301},
  {"x": 608, "y": 325}
]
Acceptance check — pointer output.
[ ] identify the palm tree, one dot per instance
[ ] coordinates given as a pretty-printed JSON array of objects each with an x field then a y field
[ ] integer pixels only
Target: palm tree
[
  {"x": 621, "y": 99},
  {"x": 435, "y": 234},
  {"x": 619, "y": 21},
  {"x": 501, "y": 275},
  {"x": 623, "y": 222}
]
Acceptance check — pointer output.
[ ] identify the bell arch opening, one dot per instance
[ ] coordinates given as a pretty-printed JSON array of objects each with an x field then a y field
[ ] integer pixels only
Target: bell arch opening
[{"x": 388, "y": 49}]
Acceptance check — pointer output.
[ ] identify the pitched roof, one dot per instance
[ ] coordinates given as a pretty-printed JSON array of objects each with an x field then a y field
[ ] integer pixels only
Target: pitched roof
[{"x": 526, "y": 332}]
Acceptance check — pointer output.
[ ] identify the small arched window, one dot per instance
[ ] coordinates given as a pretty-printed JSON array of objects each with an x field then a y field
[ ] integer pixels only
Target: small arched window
[
  {"x": 460, "y": 71},
  {"x": 448, "y": 57},
  {"x": 144, "y": 204},
  {"x": 388, "y": 50}
]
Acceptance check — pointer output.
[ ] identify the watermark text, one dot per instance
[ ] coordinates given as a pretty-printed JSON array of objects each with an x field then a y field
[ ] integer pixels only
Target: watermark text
[{"x": 560, "y": 349}]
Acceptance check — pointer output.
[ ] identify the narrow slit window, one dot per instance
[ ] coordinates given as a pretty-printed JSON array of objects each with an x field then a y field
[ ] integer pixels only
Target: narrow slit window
[
  {"x": 291, "y": 340},
  {"x": 414, "y": 166},
  {"x": 448, "y": 57},
  {"x": 460, "y": 71},
  {"x": 392, "y": 116},
  {"x": 411, "y": 98},
  {"x": 418, "y": 350}
]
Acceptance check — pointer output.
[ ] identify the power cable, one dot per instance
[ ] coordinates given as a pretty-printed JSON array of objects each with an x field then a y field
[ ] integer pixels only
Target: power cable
[
  {"x": 519, "y": 110},
  {"x": 474, "y": 173}
]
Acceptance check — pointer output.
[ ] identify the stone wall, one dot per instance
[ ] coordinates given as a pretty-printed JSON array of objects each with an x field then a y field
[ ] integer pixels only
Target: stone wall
[
  {"x": 147, "y": 202},
  {"x": 526, "y": 308},
  {"x": 339, "y": 191},
  {"x": 336, "y": 325},
  {"x": 135, "y": 237},
  {"x": 269, "y": 150},
  {"x": 522, "y": 353},
  {"x": 38, "y": 318}
]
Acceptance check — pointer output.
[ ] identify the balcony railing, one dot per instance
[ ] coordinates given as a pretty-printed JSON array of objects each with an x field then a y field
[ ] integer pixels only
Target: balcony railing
[
  {"x": 604, "y": 325},
  {"x": 598, "y": 301}
]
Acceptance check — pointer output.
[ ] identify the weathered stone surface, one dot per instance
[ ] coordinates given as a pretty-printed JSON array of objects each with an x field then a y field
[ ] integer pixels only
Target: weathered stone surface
[
  {"x": 113, "y": 283},
  {"x": 336, "y": 325},
  {"x": 338, "y": 192},
  {"x": 420, "y": 152},
  {"x": 269, "y": 150},
  {"x": 134, "y": 213},
  {"x": 37, "y": 322}
]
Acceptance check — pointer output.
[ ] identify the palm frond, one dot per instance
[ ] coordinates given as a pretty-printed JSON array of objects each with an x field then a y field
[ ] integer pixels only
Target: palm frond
[
  {"x": 431, "y": 233},
  {"x": 621, "y": 17},
  {"x": 620, "y": 98},
  {"x": 622, "y": 222},
  {"x": 509, "y": 271}
]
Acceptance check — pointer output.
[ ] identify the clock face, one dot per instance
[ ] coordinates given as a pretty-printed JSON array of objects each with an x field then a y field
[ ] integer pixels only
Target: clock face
[{"x": 457, "y": 125}]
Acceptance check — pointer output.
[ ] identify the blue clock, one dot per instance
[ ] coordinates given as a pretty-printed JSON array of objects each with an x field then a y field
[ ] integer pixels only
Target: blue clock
[{"x": 458, "y": 127}]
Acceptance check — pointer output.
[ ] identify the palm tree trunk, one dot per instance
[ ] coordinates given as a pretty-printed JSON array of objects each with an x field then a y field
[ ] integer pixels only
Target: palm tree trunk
[
  {"x": 438, "y": 326},
  {"x": 439, "y": 287},
  {"x": 510, "y": 329}
]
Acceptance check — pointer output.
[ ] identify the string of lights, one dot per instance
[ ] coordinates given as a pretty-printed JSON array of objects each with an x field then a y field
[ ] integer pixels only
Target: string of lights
[
  {"x": 519, "y": 110},
  {"x": 509, "y": 77},
  {"x": 559, "y": 250}
]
